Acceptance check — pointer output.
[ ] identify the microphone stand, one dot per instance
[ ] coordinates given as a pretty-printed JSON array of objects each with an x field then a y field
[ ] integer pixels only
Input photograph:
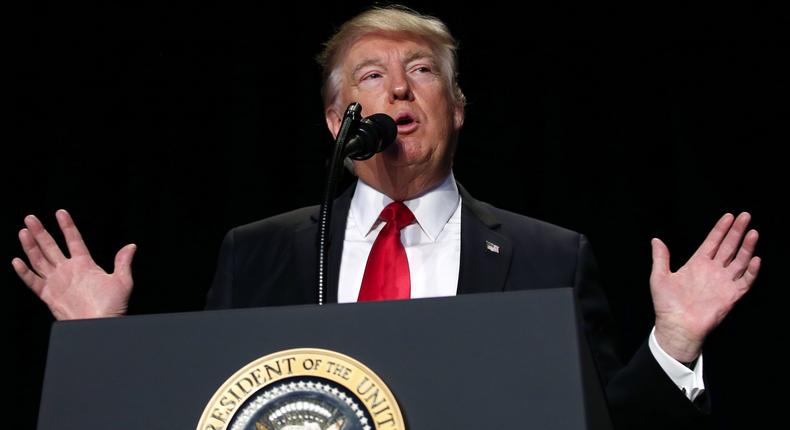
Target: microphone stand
[{"x": 350, "y": 121}]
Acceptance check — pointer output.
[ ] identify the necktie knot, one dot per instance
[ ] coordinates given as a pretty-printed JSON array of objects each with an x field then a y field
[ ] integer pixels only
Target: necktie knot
[{"x": 397, "y": 215}]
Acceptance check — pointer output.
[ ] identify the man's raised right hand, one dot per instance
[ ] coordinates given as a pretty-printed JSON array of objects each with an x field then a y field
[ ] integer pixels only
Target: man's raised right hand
[{"x": 73, "y": 287}]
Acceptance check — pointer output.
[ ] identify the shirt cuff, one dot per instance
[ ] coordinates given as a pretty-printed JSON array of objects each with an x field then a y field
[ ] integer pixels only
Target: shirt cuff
[{"x": 689, "y": 381}]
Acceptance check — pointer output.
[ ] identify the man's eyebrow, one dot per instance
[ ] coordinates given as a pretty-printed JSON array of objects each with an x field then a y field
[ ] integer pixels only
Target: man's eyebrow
[
  {"x": 418, "y": 55},
  {"x": 366, "y": 62},
  {"x": 408, "y": 58}
]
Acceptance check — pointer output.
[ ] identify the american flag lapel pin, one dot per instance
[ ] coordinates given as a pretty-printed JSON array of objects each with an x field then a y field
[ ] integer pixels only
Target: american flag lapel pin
[{"x": 493, "y": 247}]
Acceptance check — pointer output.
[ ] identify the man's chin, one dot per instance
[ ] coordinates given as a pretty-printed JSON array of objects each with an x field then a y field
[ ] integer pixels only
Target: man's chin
[
  {"x": 403, "y": 154},
  {"x": 396, "y": 158},
  {"x": 402, "y": 160}
]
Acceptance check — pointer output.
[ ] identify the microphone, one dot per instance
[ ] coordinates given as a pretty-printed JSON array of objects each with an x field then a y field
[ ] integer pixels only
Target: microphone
[
  {"x": 373, "y": 135},
  {"x": 358, "y": 138}
]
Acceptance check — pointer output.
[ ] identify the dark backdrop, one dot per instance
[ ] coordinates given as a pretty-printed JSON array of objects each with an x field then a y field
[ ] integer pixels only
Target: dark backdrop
[{"x": 166, "y": 125}]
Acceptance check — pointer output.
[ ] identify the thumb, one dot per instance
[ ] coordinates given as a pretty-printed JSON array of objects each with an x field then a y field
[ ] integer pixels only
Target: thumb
[
  {"x": 660, "y": 258},
  {"x": 123, "y": 260}
]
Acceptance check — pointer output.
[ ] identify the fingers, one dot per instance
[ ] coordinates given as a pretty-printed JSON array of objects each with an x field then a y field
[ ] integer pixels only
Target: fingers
[
  {"x": 123, "y": 260},
  {"x": 33, "y": 251},
  {"x": 46, "y": 243},
  {"x": 732, "y": 241},
  {"x": 74, "y": 240},
  {"x": 711, "y": 243},
  {"x": 744, "y": 256},
  {"x": 28, "y": 277},
  {"x": 660, "y": 257},
  {"x": 751, "y": 273}
]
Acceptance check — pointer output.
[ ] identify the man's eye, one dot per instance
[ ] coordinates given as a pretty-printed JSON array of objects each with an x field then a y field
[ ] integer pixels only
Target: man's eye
[
  {"x": 373, "y": 75},
  {"x": 423, "y": 69}
]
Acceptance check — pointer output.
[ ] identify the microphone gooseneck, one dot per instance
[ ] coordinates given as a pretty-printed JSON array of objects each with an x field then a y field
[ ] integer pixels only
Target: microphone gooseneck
[{"x": 358, "y": 138}]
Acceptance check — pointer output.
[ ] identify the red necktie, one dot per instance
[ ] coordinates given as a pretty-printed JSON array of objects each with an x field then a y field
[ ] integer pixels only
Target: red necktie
[{"x": 387, "y": 270}]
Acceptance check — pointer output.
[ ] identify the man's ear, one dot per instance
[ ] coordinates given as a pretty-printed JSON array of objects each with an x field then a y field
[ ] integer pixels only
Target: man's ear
[
  {"x": 333, "y": 121},
  {"x": 458, "y": 116}
]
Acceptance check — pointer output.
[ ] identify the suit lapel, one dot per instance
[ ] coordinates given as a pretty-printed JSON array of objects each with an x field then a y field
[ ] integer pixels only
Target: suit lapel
[
  {"x": 485, "y": 252},
  {"x": 337, "y": 231}
]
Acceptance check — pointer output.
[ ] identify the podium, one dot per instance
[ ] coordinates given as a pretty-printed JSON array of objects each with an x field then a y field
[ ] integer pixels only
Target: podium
[{"x": 481, "y": 361}]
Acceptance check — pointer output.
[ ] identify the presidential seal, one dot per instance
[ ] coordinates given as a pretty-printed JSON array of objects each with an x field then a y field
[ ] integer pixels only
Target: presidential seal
[{"x": 303, "y": 389}]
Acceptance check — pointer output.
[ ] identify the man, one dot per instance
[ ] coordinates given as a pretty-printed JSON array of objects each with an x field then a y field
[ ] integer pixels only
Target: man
[{"x": 410, "y": 231}]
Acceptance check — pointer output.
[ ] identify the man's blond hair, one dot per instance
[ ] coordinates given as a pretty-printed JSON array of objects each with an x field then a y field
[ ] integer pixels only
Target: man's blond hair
[{"x": 390, "y": 19}]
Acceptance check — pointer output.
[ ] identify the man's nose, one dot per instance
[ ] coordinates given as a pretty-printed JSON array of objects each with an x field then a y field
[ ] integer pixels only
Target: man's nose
[{"x": 400, "y": 87}]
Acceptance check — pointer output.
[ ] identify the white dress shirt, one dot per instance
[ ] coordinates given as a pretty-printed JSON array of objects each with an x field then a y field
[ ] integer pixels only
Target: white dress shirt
[
  {"x": 433, "y": 249},
  {"x": 432, "y": 242}
]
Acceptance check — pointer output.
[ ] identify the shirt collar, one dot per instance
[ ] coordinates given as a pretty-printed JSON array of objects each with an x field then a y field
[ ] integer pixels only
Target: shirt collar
[{"x": 431, "y": 210}]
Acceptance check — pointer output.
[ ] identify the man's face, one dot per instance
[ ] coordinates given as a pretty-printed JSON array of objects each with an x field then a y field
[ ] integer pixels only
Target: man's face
[{"x": 399, "y": 75}]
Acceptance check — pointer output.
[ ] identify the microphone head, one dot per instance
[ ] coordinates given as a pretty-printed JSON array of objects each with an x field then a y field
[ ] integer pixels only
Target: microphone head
[
  {"x": 387, "y": 129},
  {"x": 375, "y": 133}
]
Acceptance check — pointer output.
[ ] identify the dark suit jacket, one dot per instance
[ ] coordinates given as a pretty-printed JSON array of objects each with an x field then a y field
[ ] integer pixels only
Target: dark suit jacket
[{"x": 273, "y": 262}]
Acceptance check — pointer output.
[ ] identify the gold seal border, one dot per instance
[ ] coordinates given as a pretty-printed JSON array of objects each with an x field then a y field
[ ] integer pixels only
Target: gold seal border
[{"x": 314, "y": 362}]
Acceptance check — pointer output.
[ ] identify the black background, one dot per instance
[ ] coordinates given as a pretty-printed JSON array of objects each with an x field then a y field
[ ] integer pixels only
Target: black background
[{"x": 167, "y": 124}]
